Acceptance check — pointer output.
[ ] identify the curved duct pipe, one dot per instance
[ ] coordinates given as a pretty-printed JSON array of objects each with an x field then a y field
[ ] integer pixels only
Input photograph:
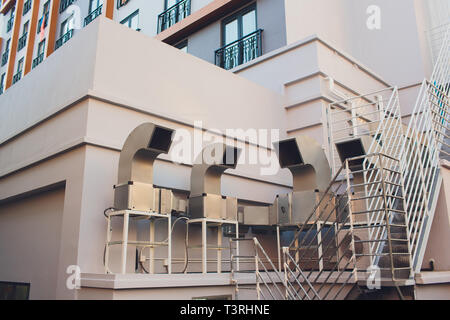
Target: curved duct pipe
[
  {"x": 206, "y": 196},
  {"x": 306, "y": 160},
  {"x": 144, "y": 144}
]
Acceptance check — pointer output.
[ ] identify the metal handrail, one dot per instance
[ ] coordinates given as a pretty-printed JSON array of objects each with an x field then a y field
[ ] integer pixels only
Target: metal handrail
[
  {"x": 237, "y": 51},
  {"x": 322, "y": 241},
  {"x": 64, "y": 38},
  {"x": 93, "y": 15},
  {"x": 162, "y": 17}
]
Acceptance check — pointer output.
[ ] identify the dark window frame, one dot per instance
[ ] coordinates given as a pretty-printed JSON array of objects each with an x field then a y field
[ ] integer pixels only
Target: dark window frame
[
  {"x": 129, "y": 17},
  {"x": 22, "y": 284},
  {"x": 122, "y": 3},
  {"x": 238, "y": 15}
]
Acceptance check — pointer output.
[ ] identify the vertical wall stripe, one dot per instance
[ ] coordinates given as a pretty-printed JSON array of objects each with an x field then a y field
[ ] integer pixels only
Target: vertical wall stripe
[
  {"x": 110, "y": 9},
  {"x": 52, "y": 31},
  {"x": 32, "y": 36},
  {"x": 14, "y": 43}
]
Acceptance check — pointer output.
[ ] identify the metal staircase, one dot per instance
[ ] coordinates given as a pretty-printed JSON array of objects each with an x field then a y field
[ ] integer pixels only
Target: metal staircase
[
  {"x": 427, "y": 141},
  {"x": 371, "y": 226},
  {"x": 257, "y": 275},
  {"x": 385, "y": 193}
]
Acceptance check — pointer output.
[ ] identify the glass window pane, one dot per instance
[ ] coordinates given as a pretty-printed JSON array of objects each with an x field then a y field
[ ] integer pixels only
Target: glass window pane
[
  {"x": 171, "y": 3},
  {"x": 134, "y": 24},
  {"x": 231, "y": 32},
  {"x": 249, "y": 23}
]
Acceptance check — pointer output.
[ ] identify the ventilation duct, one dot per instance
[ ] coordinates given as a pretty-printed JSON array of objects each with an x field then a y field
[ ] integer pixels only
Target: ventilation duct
[
  {"x": 206, "y": 200},
  {"x": 134, "y": 190},
  {"x": 311, "y": 173}
]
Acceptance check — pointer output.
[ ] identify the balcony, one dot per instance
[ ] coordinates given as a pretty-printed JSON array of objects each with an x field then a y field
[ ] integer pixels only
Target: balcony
[
  {"x": 174, "y": 14},
  {"x": 5, "y": 57},
  {"x": 66, "y": 37},
  {"x": 17, "y": 77},
  {"x": 94, "y": 14},
  {"x": 9, "y": 24},
  {"x": 38, "y": 60},
  {"x": 27, "y": 6},
  {"x": 240, "y": 51},
  {"x": 22, "y": 42},
  {"x": 65, "y": 4}
]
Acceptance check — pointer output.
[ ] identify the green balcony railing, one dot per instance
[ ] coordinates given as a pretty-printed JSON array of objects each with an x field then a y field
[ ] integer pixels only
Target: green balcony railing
[
  {"x": 22, "y": 41},
  {"x": 17, "y": 77},
  {"x": 172, "y": 15},
  {"x": 64, "y": 38},
  {"x": 38, "y": 60},
  {"x": 27, "y": 6},
  {"x": 65, "y": 4},
  {"x": 9, "y": 24},
  {"x": 5, "y": 57},
  {"x": 94, "y": 14},
  {"x": 240, "y": 51}
]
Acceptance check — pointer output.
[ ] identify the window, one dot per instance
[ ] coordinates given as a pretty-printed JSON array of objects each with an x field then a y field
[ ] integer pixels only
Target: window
[
  {"x": 23, "y": 38},
  {"x": 26, "y": 6},
  {"x": 174, "y": 11},
  {"x": 41, "y": 47},
  {"x": 2, "y": 82},
  {"x": 132, "y": 21},
  {"x": 20, "y": 66},
  {"x": 14, "y": 291},
  {"x": 67, "y": 25},
  {"x": 25, "y": 27},
  {"x": 121, "y": 3},
  {"x": 241, "y": 40},
  {"x": 239, "y": 25},
  {"x": 183, "y": 46},
  {"x": 94, "y": 4},
  {"x": 10, "y": 22},
  {"x": 170, "y": 3}
]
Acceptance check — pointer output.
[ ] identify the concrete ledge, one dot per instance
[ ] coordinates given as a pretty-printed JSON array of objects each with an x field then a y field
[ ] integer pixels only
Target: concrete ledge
[
  {"x": 433, "y": 277},
  {"x": 142, "y": 281}
]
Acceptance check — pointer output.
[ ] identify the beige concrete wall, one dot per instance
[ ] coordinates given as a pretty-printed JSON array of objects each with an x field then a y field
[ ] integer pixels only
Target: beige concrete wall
[
  {"x": 396, "y": 51},
  {"x": 439, "y": 291},
  {"x": 437, "y": 247},
  {"x": 30, "y": 237},
  {"x": 71, "y": 129}
]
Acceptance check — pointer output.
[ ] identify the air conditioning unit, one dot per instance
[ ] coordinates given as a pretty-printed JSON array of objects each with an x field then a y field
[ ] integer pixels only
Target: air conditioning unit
[{"x": 169, "y": 201}]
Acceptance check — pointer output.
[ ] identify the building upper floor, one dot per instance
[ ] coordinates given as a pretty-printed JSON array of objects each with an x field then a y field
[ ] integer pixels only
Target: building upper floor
[{"x": 396, "y": 39}]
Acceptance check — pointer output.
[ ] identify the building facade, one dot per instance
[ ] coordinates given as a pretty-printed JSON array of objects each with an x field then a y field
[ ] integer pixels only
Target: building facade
[{"x": 77, "y": 76}]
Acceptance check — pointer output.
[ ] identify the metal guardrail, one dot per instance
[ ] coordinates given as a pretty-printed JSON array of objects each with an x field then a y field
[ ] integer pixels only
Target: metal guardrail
[
  {"x": 427, "y": 140},
  {"x": 5, "y": 56},
  {"x": 174, "y": 14},
  {"x": 22, "y": 42},
  {"x": 64, "y": 38},
  {"x": 38, "y": 60},
  {"x": 357, "y": 117},
  {"x": 27, "y": 6},
  {"x": 9, "y": 24},
  {"x": 240, "y": 51},
  {"x": 93, "y": 15},
  {"x": 17, "y": 77},
  {"x": 335, "y": 245},
  {"x": 65, "y": 4},
  {"x": 270, "y": 283}
]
